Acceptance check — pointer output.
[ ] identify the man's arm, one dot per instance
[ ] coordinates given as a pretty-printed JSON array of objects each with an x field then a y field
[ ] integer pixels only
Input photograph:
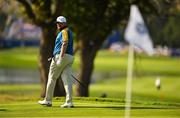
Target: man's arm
[
  {"x": 63, "y": 49},
  {"x": 65, "y": 42}
]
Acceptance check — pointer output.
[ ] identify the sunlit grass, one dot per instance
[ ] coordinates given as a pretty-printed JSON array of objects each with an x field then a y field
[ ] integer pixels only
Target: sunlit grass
[
  {"x": 142, "y": 89},
  {"x": 19, "y": 58},
  {"x": 21, "y": 100},
  {"x": 105, "y": 61}
]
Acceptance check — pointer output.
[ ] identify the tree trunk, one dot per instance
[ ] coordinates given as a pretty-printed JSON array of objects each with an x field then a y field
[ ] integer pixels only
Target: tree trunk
[
  {"x": 46, "y": 48},
  {"x": 88, "y": 54}
]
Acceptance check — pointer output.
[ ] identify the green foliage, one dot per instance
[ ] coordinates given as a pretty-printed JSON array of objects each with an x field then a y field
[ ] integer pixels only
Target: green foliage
[
  {"x": 3, "y": 18},
  {"x": 164, "y": 28},
  {"x": 171, "y": 32},
  {"x": 165, "y": 31},
  {"x": 95, "y": 18}
]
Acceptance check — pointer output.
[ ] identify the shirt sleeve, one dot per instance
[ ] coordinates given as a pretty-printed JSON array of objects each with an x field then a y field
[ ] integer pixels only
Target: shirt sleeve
[{"x": 65, "y": 34}]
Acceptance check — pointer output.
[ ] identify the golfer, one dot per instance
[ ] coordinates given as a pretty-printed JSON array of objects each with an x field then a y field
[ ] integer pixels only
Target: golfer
[{"x": 61, "y": 64}]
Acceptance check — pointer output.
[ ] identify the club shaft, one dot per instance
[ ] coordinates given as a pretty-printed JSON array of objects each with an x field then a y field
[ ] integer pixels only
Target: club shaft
[{"x": 78, "y": 81}]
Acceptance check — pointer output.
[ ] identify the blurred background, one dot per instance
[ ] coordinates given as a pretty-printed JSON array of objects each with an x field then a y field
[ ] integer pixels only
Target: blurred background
[{"x": 27, "y": 35}]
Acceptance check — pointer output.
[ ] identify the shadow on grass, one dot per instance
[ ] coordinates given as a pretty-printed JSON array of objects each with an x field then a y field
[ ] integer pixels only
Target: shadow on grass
[
  {"x": 122, "y": 108},
  {"x": 3, "y": 110}
]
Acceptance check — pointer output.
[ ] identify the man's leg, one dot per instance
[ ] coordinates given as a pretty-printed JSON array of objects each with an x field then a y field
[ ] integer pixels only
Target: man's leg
[
  {"x": 50, "y": 88},
  {"x": 67, "y": 81},
  {"x": 54, "y": 73},
  {"x": 49, "y": 93}
]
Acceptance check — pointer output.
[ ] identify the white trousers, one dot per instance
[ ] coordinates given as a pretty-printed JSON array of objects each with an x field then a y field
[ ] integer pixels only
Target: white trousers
[{"x": 64, "y": 70}]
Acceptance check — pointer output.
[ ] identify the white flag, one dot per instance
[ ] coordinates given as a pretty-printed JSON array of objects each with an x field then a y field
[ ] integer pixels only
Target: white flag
[{"x": 136, "y": 32}]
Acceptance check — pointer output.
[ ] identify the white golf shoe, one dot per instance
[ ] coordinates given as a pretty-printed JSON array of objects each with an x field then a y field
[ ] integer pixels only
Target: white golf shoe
[
  {"x": 44, "y": 102},
  {"x": 67, "y": 105}
]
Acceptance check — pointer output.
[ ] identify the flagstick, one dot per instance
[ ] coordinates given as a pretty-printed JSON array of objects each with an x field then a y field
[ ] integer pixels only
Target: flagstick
[{"x": 129, "y": 81}]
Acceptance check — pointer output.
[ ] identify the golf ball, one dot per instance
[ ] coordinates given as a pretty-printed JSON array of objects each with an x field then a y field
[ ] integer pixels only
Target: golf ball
[{"x": 158, "y": 83}]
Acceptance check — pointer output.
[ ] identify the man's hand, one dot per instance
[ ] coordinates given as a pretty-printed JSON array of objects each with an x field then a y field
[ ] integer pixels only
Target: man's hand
[{"x": 59, "y": 61}]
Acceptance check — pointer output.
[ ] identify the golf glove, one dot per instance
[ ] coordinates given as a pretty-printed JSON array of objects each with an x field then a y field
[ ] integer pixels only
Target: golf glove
[{"x": 59, "y": 61}]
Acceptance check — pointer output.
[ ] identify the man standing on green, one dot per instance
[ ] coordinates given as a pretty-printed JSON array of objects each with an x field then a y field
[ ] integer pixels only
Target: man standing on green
[{"x": 61, "y": 64}]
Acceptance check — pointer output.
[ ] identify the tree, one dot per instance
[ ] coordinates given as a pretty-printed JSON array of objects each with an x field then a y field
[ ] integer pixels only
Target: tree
[
  {"x": 92, "y": 21},
  {"x": 43, "y": 14},
  {"x": 3, "y": 18},
  {"x": 164, "y": 28},
  {"x": 171, "y": 32}
]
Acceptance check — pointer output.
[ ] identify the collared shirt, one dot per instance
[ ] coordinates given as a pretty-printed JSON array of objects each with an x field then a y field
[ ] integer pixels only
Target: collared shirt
[{"x": 64, "y": 35}]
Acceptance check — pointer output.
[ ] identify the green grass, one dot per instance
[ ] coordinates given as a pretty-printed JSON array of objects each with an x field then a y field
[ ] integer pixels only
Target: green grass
[
  {"x": 145, "y": 65},
  {"x": 20, "y": 100},
  {"x": 85, "y": 109},
  {"x": 27, "y": 58},
  {"x": 147, "y": 102},
  {"x": 142, "y": 89}
]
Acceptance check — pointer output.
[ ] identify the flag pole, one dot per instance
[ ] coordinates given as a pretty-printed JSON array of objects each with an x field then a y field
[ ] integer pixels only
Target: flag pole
[{"x": 129, "y": 81}]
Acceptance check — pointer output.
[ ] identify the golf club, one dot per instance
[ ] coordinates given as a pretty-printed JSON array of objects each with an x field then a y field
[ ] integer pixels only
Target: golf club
[
  {"x": 49, "y": 59},
  {"x": 78, "y": 81}
]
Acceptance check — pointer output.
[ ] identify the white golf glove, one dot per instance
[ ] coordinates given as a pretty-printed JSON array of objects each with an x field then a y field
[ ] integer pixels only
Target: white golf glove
[{"x": 59, "y": 61}]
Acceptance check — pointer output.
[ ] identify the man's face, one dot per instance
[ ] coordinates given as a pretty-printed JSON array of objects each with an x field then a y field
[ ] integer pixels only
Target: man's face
[{"x": 59, "y": 25}]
